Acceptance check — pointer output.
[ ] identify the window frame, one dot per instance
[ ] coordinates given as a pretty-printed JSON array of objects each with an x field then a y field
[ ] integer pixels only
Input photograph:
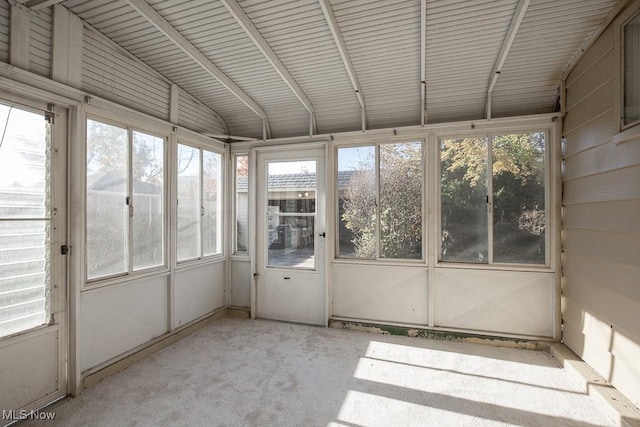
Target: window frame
[
  {"x": 548, "y": 189},
  {"x": 221, "y": 232},
  {"x": 376, "y": 143},
  {"x": 164, "y": 267},
  {"x": 234, "y": 215},
  {"x": 627, "y": 18}
]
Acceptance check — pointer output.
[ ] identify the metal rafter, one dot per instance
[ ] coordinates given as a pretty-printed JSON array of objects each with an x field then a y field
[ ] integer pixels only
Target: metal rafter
[
  {"x": 179, "y": 40},
  {"x": 252, "y": 32},
  {"x": 516, "y": 20},
  {"x": 330, "y": 17},
  {"x": 41, "y": 4}
]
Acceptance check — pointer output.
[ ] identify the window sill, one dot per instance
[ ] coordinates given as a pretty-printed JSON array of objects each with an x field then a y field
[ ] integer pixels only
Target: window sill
[
  {"x": 628, "y": 135},
  {"x": 195, "y": 263},
  {"x": 381, "y": 262},
  {"x": 124, "y": 278},
  {"x": 496, "y": 267}
]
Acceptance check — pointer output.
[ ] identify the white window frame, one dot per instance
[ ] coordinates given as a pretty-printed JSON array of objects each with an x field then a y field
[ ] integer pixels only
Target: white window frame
[
  {"x": 164, "y": 267},
  {"x": 202, "y": 258},
  {"x": 376, "y": 143},
  {"x": 234, "y": 208},
  {"x": 627, "y": 131},
  {"x": 548, "y": 185}
]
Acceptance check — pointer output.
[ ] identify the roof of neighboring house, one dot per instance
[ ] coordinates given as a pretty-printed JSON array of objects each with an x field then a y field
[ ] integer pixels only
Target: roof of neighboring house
[{"x": 296, "y": 181}]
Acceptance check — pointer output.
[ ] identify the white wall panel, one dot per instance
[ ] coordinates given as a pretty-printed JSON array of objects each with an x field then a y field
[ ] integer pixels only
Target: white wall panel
[
  {"x": 29, "y": 368},
  {"x": 241, "y": 282},
  {"x": 4, "y": 30},
  {"x": 109, "y": 72},
  {"x": 380, "y": 293},
  {"x": 118, "y": 318},
  {"x": 41, "y": 41},
  {"x": 198, "y": 291},
  {"x": 196, "y": 116},
  {"x": 510, "y": 302},
  {"x": 601, "y": 197}
]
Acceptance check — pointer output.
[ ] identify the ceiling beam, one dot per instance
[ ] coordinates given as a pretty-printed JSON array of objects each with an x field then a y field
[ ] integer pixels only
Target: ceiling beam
[
  {"x": 41, "y": 4},
  {"x": 179, "y": 40},
  {"x": 252, "y": 32},
  {"x": 330, "y": 17},
  {"x": 516, "y": 20},
  {"x": 423, "y": 62}
]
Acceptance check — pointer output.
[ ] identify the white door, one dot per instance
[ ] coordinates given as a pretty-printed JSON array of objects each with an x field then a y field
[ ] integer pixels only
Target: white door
[
  {"x": 290, "y": 255},
  {"x": 32, "y": 267}
]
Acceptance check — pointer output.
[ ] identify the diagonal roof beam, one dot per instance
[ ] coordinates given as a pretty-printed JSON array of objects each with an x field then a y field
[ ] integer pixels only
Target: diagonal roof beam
[
  {"x": 330, "y": 17},
  {"x": 41, "y": 4},
  {"x": 250, "y": 29},
  {"x": 179, "y": 40},
  {"x": 516, "y": 20}
]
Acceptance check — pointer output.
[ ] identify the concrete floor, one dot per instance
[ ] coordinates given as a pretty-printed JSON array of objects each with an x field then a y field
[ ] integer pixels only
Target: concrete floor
[{"x": 238, "y": 372}]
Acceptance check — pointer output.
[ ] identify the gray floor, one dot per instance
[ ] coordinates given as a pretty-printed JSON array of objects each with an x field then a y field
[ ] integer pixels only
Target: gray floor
[{"x": 259, "y": 373}]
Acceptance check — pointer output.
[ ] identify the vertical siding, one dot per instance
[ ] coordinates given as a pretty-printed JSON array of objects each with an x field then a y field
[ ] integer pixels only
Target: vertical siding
[
  {"x": 109, "y": 72},
  {"x": 601, "y": 224},
  {"x": 194, "y": 115},
  {"x": 4, "y": 30},
  {"x": 41, "y": 42}
]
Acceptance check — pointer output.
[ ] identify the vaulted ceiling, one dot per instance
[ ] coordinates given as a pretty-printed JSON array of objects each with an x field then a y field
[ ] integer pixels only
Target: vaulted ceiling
[{"x": 354, "y": 63}]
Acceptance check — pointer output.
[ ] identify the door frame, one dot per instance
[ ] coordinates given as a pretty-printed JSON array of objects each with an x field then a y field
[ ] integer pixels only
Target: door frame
[
  {"x": 254, "y": 250},
  {"x": 58, "y": 305}
]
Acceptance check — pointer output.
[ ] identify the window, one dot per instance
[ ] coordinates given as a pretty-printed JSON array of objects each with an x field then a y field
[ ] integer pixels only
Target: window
[
  {"x": 25, "y": 222},
  {"x": 631, "y": 110},
  {"x": 242, "y": 204},
  {"x": 125, "y": 200},
  {"x": 380, "y": 201},
  {"x": 199, "y": 219},
  {"x": 498, "y": 216}
]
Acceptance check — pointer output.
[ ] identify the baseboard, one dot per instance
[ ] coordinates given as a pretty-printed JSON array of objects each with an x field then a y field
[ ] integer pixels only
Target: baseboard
[
  {"x": 113, "y": 366},
  {"x": 620, "y": 409}
]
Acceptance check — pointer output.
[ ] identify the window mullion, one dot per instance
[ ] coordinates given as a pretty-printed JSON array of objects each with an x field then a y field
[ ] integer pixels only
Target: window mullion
[
  {"x": 377, "y": 210},
  {"x": 490, "y": 198},
  {"x": 201, "y": 196},
  {"x": 130, "y": 208}
]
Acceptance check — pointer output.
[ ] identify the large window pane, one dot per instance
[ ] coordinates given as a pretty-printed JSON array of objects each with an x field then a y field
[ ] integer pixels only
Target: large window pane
[
  {"x": 401, "y": 200},
  {"x": 242, "y": 203},
  {"x": 357, "y": 202},
  {"x": 212, "y": 203},
  {"x": 464, "y": 218},
  {"x": 519, "y": 198},
  {"x": 632, "y": 71},
  {"x": 148, "y": 201},
  {"x": 188, "y": 233},
  {"x": 292, "y": 186},
  {"x": 24, "y": 244},
  {"x": 107, "y": 212}
]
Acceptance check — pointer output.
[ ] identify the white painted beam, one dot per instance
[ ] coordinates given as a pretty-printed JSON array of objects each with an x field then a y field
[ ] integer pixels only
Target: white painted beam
[
  {"x": 20, "y": 36},
  {"x": 174, "y": 103},
  {"x": 516, "y": 20},
  {"x": 179, "y": 40},
  {"x": 423, "y": 60},
  {"x": 66, "y": 66},
  {"x": 332, "y": 22},
  {"x": 250, "y": 30},
  {"x": 41, "y": 4}
]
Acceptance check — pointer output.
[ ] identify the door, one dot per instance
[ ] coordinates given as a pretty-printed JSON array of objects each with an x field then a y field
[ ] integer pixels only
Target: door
[
  {"x": 32, "y": 267},
  {"x": 290, "y": 256}
]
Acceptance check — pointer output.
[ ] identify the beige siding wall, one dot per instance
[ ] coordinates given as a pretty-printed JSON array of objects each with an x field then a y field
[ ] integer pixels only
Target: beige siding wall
[{"x": 601, "y": 221}]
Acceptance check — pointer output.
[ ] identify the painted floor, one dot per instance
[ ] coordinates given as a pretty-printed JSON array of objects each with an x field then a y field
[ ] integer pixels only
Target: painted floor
[{"x": 238, "y": 372}]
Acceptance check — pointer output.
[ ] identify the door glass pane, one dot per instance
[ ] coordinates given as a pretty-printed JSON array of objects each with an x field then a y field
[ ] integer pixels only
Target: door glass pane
[
  {"x": 212, "y": 202},
  {"x": 24, "y": 244},
  {"x": 357, "y": 202},
  {"x": 148, "y": 201},
  {"x": 188, "y": 234},
  {"x": 290, "y": 241},
  {"x": 401, "y": 200},
  {"x": 107, "y": 212},
  {"x": 518, "y": 198},
  {"x": 292, "y": 186},
  {"x": 242, "y": 204},
  {"x": 463, "y": 192}
]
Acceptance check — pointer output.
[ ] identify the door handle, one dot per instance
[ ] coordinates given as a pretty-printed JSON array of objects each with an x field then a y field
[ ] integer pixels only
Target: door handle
[{"x": 322, "y": 234}]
